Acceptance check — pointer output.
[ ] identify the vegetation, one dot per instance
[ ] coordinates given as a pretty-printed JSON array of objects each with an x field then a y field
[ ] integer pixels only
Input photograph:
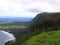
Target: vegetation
[
  {"x": 46, "y": 21},
  {"x": 46, "y": 38},
  {"x": 44, "y": 30},
  {"x": 13, "y": 27}
]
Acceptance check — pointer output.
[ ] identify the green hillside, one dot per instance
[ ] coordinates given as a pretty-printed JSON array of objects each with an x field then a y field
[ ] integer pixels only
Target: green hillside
[
  {"x": 46, "y": 38},
  {"x": 44, "y": 30},
  {"x": 46, "y": 21}
]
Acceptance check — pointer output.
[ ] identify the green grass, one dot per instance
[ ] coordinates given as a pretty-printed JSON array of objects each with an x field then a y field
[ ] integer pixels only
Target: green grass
[{"x": 46, "y": 38}]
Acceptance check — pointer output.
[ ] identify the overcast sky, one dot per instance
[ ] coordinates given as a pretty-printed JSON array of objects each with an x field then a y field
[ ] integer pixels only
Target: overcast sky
[{"x": 28, "y": 8}]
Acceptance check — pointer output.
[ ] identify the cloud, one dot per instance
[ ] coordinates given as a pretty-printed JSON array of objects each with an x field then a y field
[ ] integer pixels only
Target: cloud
[
  {"x": 23, "y": 7},
  {"x": 44, "y": 6}
]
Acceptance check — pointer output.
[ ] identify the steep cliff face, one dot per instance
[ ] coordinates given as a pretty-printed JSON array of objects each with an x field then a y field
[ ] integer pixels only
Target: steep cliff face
[{"x": 46, "y": 20}]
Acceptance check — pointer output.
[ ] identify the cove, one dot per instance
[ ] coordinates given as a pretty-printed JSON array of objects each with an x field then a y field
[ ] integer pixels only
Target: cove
[{"x": 5, "y": 37}]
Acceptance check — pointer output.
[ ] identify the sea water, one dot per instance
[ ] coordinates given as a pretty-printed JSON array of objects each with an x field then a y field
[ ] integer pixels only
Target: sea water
[{"x": 5, "y": 37}]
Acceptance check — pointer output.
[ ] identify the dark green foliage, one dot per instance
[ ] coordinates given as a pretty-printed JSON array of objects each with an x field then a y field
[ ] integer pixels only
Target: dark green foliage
[
  {"x": 10, "y": 43},
  {"x": 42, "y": 31},
  {"x": 46, "y": 21}
]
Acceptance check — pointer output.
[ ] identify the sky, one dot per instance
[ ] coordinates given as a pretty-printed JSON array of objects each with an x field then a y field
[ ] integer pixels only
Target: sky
[{"x": 27, "y": 8}]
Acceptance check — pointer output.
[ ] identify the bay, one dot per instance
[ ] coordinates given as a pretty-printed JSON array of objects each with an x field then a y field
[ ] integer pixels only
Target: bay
[{"x": 5, "y": 37}]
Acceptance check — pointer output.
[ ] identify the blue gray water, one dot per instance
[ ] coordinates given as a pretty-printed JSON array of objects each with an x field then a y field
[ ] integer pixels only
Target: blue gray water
[{"x": 5, "y": 37}]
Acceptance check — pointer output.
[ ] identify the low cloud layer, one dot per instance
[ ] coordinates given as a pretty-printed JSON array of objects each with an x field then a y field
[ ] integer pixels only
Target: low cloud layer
[{"x": 28, "y": 7}]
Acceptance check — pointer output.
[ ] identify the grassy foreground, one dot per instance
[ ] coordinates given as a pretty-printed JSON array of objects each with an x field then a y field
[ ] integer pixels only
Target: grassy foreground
[{"x": 46, "y": 38}]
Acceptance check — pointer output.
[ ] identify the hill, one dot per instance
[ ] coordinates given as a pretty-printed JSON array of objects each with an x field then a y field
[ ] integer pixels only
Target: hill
[
  {"x": 44, "y": 30},
  {"x": 45, "y": 38},
  {"x": 46, "y": 21}
]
